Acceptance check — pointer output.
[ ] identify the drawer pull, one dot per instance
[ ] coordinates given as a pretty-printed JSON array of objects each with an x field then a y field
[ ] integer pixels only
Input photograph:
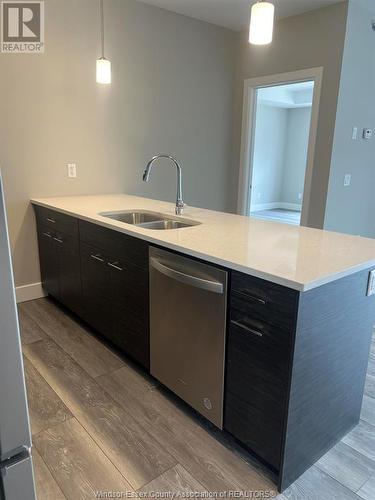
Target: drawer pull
[
  {"x": 252, "y": 297},
  {"x": 250, "y": 330},
  {"x": 59, "y": 240},
  {"x": 47, "y": 235},
  {"x": 115, "y": 266},
  {"x": 52, "y": 221},
  {"x": 97, "y": 257}
]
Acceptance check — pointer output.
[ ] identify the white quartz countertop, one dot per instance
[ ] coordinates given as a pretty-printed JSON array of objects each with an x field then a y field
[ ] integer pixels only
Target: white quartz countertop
[{"x": 297, "y": 257}]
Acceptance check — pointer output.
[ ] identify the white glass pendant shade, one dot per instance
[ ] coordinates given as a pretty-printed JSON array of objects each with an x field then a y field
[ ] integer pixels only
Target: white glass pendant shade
[
  {"x": 103, "y": 71},
  {"x": 261, "y": 23}
]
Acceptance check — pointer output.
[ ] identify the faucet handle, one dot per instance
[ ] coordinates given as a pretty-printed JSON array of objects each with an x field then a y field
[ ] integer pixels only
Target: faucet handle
[{"x": 180, "y": 205}]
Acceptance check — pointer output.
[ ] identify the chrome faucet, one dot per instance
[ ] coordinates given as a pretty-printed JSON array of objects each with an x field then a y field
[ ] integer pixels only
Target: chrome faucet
[{"x": 146, "y": 177}]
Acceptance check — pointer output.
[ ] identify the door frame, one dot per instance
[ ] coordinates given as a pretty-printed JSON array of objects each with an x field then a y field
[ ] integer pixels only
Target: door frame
[{"x": 251, "y": 85}]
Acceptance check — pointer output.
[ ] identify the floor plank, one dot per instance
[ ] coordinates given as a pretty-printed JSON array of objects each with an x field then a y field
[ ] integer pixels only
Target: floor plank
[
  {"x": 314, "y": 484},
  {"x": 176, "y": 481},
  {"x": 348, "y": 466},
  {"x": 92, "y": 355},
  {"x": 202, "y": 455},
  {"x": 78, "y": 465},
  {"x": 46, "y": 486},
  {"x": 362, "y": 439},
  {"x": 29, "y": 328},
  {"x": 45, "y": 407},
  {"x": 137, "y": 455},
  {"x": 368, "y": 489},
  {"x": 368, "y": 410}
]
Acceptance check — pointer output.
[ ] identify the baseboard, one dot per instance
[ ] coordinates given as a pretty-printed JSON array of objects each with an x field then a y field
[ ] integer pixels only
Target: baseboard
[
  {"x": 29, "y": 292},
  {"x": 275, "y": 205},
  {"x": 290, "y": 206},
  {"x": 264, "y": 206}
]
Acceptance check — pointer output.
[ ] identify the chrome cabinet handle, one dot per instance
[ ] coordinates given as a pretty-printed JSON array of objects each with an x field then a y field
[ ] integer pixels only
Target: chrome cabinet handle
[
  {"x": 252, "y": 297},
  {"x": 244, "y": 327},
  {"x": 59, "y": 240},
  {"x": 211, "y": 286},
  {"x": 115, "y": 266},
  {"x": 48, "y": 219},
  {"x": 97, "y": 257},
  {"x": 47, "y": 234}
]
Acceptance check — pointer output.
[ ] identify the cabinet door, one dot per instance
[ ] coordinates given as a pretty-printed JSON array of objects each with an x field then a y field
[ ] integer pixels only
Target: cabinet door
[
  {"x": 96, "y": 307},
  {"x": 260, "y": 341},
  {"x": 49, "y": 262},
  {"x": 130, "y": 299},
  {"x": 69, "y": 271}
]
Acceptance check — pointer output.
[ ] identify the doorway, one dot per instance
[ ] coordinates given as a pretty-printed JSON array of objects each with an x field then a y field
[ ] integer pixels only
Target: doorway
[{"x": 278, "y": 140}]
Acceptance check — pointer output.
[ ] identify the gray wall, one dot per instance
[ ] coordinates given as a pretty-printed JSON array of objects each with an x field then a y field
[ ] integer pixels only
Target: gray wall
[
  {"x": 172, "y": 90},
  {"x": 295, "y": 156},
  {"x": 352, "y": 209},
  {"x": 280, "y": 152},
  {"x": 269, "y": 149},
  {"x": 305, "y": 41}
]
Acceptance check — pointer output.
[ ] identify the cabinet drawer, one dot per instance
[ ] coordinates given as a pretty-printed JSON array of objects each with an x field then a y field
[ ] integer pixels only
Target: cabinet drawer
[
  {"x": 56, "y": 221},
  {"x": 263, "y": 301},
  {"x": 114, "y": 243}
]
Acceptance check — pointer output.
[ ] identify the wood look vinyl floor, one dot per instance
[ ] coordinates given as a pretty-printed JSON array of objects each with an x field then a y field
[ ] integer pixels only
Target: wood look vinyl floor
[{"x": 102, "y": 427}]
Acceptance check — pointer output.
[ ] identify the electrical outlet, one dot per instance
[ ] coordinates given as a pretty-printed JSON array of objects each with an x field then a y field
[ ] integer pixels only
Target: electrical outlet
[
  {"x": 347, "y": 180},
  {"x": 371, "y": 283},
  {"x": 72, "y": 170},
  {"x": 367, "y": 133}
]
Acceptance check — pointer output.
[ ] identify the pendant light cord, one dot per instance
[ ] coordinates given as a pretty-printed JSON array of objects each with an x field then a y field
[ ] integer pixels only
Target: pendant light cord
[{"x": 102, "y": 25}]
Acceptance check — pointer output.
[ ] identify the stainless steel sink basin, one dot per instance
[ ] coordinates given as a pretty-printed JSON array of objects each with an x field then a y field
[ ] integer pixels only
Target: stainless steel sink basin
[
  {"x": 149, "y": 220},
  {"x": 134, "y": 218}
]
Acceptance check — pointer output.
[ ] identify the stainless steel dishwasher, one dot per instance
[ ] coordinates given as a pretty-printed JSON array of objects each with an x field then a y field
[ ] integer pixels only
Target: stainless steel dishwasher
[{"x": 187, "y": 336}]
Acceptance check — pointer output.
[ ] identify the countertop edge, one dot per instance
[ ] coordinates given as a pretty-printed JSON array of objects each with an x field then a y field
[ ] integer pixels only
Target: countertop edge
[{"x": 298, "y": 286}]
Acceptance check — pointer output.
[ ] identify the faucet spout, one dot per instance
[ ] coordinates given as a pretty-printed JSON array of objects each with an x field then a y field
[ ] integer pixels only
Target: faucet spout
[{"x": 146, "y": 177}]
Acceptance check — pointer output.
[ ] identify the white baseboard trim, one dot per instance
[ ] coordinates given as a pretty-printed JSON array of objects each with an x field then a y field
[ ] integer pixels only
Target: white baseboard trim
[
  {"x": 275, "y": 205},
  {"x": 29, "y": 292},
  {"x": 290, "y": 206}
]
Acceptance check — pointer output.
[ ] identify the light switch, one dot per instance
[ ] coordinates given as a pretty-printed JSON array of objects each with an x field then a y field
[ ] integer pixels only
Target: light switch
[
  {"x": 371, "y": 283},
  {"x": 355, "y": 133},
  {"x": 347, "y": 180},
  {"x": 72, "y": 170}
]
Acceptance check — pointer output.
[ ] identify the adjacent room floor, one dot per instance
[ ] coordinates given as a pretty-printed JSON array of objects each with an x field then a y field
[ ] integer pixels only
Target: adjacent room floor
[
  {"x": 100, "y": 424},
  {"x": 279, "y": 215}
]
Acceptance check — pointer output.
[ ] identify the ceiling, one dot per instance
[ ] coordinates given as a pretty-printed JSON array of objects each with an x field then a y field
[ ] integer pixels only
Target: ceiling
[
  {"x": 293, "y": 95},
  {"x": 234, "y": 14}
]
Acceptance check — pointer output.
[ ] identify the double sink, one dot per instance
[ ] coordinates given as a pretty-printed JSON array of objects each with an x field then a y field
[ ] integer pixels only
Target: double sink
[{"x": 149, "y": 220}]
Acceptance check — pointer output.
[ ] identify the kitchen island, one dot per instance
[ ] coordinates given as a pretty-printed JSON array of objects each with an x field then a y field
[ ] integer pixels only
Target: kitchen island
[{"x": 299, "y": 320}]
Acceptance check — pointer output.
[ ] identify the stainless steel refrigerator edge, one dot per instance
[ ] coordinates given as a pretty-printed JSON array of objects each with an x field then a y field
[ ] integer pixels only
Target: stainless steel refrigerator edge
[
  {"x": 187, "y": 330},
  {"x": 16, "y": 472}
]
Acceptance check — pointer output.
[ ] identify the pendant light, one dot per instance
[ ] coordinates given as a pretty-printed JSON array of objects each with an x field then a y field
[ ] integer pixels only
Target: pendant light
[
  {"x": 261, "y": 23},
  {"x": 103, "y": 65}
]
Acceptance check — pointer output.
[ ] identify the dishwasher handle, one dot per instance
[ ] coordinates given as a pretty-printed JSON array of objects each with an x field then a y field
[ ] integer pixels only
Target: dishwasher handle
[{"x": 210, "y": 286}]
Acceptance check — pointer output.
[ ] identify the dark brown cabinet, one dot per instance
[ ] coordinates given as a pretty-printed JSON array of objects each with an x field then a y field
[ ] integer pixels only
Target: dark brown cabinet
[
  {"x": 260, "y": 335},
  {"x": 59, "y": 257},
  {"x": 115, "y": 288}
]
